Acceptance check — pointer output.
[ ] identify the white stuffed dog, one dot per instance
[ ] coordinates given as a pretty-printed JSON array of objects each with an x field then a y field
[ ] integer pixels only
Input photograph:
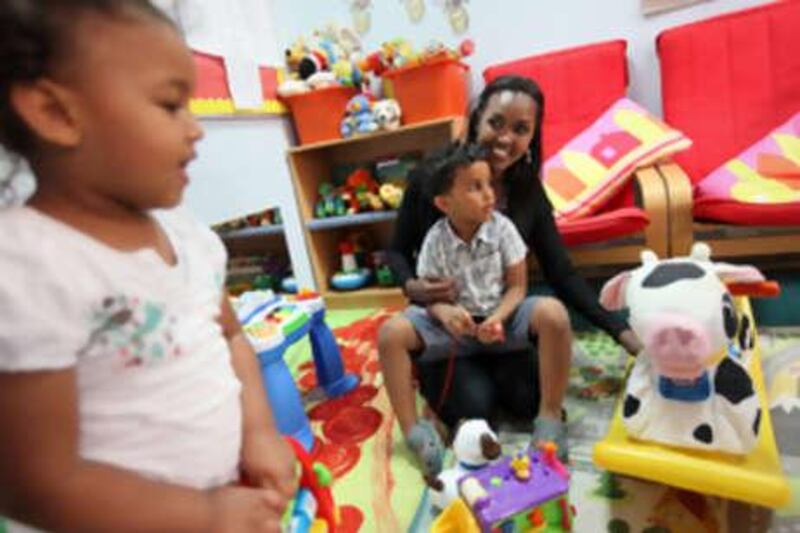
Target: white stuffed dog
[
  {"x": 690, "y": 386},
  {"x": 474, "y": 447}
]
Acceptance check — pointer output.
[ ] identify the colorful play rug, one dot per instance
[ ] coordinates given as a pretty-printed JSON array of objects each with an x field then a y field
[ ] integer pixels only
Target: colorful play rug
[{"x": 379, "y": 489}]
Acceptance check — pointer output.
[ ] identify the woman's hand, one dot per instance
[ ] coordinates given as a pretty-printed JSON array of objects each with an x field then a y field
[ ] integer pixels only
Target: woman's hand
[
  {"x": 631, "y": 342},
  {"x": 454, "y": 318},
  {"x": 426, "y": 291}
]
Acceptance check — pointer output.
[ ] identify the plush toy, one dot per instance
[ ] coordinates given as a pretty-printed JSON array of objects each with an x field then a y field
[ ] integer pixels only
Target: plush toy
[
  {"x": 387, "y": 114},
  {"x": 358, "y": 118},
  {"x": 690, "y": 386},
  {"x": 391, "y": 194},
  {"x": 474, "y": 447}
]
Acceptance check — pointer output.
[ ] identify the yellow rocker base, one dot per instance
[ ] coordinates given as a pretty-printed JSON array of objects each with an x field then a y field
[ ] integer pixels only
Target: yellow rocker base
[{"x": 756, "y": 478}]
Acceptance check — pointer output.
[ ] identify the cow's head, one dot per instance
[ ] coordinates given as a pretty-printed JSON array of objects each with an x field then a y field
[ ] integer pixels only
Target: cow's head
[{"x": 680, "y": 308}]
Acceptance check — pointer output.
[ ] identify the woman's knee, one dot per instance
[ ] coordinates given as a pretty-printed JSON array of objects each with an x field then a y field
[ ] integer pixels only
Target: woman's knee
[
  {"x": 550, "y": 315},
  {"x": 397, "y": 332}
]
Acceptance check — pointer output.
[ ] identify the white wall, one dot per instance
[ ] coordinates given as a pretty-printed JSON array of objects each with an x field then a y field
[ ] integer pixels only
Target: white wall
[
  {"x": 510, "y": 29},
  {"x": 241, "y": 168}
]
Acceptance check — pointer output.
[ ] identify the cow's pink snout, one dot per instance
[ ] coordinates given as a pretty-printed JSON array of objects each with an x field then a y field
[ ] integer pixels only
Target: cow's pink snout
[{"x": 678, "y": 346}]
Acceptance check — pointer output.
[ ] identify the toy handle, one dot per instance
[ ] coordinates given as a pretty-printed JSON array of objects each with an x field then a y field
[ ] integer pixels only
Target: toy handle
[
  {"x": 308, "y": 480},
  {"x": 760, "y": 289}
]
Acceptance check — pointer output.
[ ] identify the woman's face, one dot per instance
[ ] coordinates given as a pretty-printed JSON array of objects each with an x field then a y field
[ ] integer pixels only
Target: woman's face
[{"x": 506, "y": 128}]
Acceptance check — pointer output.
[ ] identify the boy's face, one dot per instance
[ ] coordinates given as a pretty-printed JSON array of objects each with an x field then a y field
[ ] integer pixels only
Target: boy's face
[
  {"x": 471, "y": 198},
  {"x": 132, "y": 79}
]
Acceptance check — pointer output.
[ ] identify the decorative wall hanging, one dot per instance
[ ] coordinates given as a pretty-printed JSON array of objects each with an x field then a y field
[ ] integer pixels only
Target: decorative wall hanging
[
  {"x": 361, "y": 11},
  {"x": 415, "y": 10},
  {"x": 457, "y": 15}
]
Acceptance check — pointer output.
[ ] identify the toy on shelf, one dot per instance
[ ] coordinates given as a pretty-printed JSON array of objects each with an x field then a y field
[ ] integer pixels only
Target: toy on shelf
[
  {"x": 313, "y": 508},
  {"x": 330, "y": 57},
  {"x": 391, "y": 194},
  {"x": 273, "y": 323},
  {"x": 474, "y": 446},
  {"x": 384, "y": 275},
  {"x": 358, "y": 117},
  {"x": 729, "y": 405},
  {"x": 351, "y": 277},
  {"x": 267, "y": 217},
  {"x": 690, "y": 386},
  {"x": 359, "y": 192},
  {"x": 387, "y": 114},
  {"x": 527, "y": 491},
  {"x": 246, "y": 273}
]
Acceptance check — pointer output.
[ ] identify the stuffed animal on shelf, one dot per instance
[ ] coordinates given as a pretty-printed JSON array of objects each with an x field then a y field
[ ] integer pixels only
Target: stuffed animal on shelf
[
  {"x": 387, "y": 114},
  {"x": 690, "y": 387},
  {"x": 358, "y": 118},
  {"x": 474, "y": 447},
  {"x": 391, "y": 194}
]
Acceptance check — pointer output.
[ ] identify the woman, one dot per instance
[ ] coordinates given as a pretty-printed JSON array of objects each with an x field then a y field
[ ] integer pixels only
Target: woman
[{"x": 506, "y": 120}]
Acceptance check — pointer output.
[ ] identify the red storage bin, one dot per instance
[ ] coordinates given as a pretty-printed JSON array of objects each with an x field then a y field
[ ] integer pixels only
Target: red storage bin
[
  {"x": 431, "y": 90},
  {"x": 318, "y": 114}
]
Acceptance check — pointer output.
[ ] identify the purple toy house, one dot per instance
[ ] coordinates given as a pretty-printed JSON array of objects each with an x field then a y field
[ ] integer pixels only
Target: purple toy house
[{"x": 525, "y": 492}]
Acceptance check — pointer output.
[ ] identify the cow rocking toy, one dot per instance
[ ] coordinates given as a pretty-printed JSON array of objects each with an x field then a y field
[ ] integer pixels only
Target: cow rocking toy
[{"x": 690, "y": 386}]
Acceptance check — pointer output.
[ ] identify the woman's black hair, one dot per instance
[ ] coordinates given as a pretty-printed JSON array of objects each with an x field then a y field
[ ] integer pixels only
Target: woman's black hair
[
  {"x": 523, "y": 176},
  {"x": 442, "y": 165},
  {"x": 34, "y": 35}
]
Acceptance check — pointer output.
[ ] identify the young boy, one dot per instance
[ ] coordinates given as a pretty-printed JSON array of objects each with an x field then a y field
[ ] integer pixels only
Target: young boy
[{"x": 483, "y": 251}]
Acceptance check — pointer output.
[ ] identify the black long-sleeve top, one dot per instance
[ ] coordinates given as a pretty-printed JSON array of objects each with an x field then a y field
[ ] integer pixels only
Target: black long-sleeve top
[{"x": 537, "y": 227}]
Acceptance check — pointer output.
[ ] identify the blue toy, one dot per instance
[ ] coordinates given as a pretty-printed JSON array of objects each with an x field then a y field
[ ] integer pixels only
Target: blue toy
[
  {"x": 358, "y": 118},
  {"x": 272, "y": 324}
]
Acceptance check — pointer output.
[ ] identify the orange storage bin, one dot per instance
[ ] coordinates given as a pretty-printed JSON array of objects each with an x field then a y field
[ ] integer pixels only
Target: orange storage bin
[
  {"x": 430, "y": 90},
  {"x": 318, "y": 114}
]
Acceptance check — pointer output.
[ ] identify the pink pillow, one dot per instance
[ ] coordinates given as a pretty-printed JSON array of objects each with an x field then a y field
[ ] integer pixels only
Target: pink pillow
[
  {"x": 596, "y": 164},
  {"x": 766, "y": 173}
]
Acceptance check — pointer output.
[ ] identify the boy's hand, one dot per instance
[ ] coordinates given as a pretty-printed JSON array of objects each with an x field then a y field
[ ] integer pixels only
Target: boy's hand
[
  {"x": 238, "y": 509},
  {"x": 454, "y": 318},
  {"x": 269, "y": 462},
  {"x": 491, "y": 330}
]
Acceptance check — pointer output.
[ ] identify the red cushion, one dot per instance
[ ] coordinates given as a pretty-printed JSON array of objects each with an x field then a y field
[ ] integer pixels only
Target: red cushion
[
  {"x": 579, "y": 84},
  {"x": 610, "y": 224},
  {"x": 733, "y": 212},
  {"x": 727, "y": 81}
]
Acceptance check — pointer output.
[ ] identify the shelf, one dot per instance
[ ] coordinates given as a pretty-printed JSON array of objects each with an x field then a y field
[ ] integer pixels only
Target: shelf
[
  {"x": 346, "y": 221},
  {"x": 370, "y": 297},
  {"x": 255, "y": 231},
  {"x": 379, "y": 137}
]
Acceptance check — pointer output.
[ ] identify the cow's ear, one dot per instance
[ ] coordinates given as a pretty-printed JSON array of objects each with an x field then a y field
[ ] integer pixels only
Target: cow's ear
[
  {"x": 730, "y": 273},
  {"x": 700, "y": 252},
  {"x": 612, "y": 296}
]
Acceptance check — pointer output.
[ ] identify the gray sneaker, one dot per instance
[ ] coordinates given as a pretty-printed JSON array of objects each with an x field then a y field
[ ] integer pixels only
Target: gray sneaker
[
  {"x": 554, "y": 430},
  {"x": 424, "y": 441}
]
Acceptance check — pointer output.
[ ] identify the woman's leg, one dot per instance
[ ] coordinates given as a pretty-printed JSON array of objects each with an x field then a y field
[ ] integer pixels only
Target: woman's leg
[{"x": 516, "y": 379}]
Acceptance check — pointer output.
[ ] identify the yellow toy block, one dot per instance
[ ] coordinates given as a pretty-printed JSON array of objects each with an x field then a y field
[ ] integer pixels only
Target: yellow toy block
[{"x": 754, "y": 478}]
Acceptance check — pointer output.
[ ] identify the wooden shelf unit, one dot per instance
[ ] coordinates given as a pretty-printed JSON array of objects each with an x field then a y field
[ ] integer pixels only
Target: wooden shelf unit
[{"x": 311, "y": 165}]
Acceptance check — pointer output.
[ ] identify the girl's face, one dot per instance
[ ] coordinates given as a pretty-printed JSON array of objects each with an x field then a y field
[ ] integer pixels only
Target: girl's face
[
  {"x": 131, "y": 103},
  {"x": 506, "y": 128}
]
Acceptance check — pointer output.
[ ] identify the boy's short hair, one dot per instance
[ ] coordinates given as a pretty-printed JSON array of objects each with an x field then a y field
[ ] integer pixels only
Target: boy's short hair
[{"x": 442, "y": 165}]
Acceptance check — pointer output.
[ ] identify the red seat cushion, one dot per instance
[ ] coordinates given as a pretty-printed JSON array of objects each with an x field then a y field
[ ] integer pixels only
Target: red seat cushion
[
  {"x": 579, "y": 85},
  {"x": 726, "y": 82}
]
